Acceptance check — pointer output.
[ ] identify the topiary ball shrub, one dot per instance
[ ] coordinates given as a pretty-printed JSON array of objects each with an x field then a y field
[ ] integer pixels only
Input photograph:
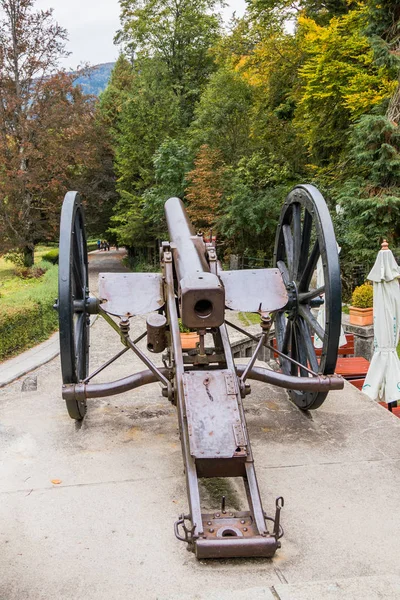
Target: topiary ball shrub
[{"x": 363, "y": 296}]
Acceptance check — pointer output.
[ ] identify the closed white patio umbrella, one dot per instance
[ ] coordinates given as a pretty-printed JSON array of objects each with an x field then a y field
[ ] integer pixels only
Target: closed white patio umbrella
[{"x": 383, "y": 378}]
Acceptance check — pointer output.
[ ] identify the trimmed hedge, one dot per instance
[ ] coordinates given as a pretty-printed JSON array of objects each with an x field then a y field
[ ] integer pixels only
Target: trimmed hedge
[
  {"x": 27, "y": 316},
  {"x": 52, "y": 255},
  {"x": 22, "y": 327}
]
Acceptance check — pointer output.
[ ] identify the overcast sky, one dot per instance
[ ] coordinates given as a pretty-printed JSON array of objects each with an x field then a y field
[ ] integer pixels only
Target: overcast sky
[{"x": 91, "y": 26}]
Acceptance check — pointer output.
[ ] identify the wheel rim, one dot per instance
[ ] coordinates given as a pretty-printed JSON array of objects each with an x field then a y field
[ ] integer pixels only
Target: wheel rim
[
  {"x": 305, "y": 236},
  {"x": 73, "y": 293}
]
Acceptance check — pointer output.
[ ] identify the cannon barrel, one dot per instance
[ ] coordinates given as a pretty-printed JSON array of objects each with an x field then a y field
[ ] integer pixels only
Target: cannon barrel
[
  {"x": 201, "y": 293},
  {"x": 187, "y": 247}
]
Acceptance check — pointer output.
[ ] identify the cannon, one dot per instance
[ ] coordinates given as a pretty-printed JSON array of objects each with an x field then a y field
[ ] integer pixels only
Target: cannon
[{"x": 205, "y": 384}]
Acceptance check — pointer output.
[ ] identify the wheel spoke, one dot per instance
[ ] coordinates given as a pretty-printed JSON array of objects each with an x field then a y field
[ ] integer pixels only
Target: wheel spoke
[
  {"x": 79, "y": 287},
  {"x": 296, "y": 238},
  {"x": 288, "y": 239},
  {"x": 309, "y": 347},
  {"x": 287, "y": 338},
  {"x": 282, "y": 334},
  {"x": 76, "y": 245},
  {"x": 79, "y": 249},
  {"x": 305, "y": 241},
  {"x": 301, "y": 350},
  {"x": 284, "y": 272},
  {"x": 280, "y": 328},
  {"x": 305, "y": 297},
  {"x": 312, "y": 321},
  {"x": 78, "y": 334},
  {"x": 309, "y": 268},
  {"x": 294, "y": 369}
]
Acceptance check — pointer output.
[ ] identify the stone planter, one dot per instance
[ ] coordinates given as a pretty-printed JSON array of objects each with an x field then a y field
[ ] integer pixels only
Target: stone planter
[
  {"x": 361, "y": 316},
  {"x": 189, "y": 340}
]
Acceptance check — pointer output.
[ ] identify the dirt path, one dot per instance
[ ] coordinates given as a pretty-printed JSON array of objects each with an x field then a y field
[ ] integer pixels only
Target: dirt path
[{"x": 104, "y": 262}]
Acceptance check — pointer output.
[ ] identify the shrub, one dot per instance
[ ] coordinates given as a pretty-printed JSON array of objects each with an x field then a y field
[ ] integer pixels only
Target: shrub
[
  {"x": 362, "y": 296},
  {"x": 27, "y": 316},
  {"x": 183, "y": 328},
  {"x": 51, "y": 256},
  {"x": 34, "y": 272},
  {"x": 24, "y": 326},
  {"x": 14, "y": 256}
]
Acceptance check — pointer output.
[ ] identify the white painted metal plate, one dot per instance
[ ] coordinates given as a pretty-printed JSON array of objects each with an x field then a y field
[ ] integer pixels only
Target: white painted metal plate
[
  {"x": 245, "y": 290},
  {"x": 129, "y": 294}
]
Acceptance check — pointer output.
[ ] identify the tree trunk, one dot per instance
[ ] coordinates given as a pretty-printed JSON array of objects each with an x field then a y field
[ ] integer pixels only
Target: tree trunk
[{"x": 28, "y": 255}]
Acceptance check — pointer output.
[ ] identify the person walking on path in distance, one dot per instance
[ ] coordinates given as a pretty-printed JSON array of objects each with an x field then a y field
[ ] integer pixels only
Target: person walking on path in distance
[{"x": 98, "y": 245}]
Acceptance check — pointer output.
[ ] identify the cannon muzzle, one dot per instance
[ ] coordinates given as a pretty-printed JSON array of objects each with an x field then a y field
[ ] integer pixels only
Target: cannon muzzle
[{"x": 201, "y": 293}]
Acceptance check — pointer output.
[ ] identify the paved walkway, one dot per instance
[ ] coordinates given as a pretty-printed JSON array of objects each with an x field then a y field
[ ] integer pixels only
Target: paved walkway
[{"x": 105, "y": 532}]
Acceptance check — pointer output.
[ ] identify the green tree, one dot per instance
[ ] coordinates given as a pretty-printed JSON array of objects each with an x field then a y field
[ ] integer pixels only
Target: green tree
[
  {"x": 249, "y": 215},
  {"x": 180, "y": 34},
  {"x": 341, "y": 82},
  {"x": 171, "y": 163},
  {"x": 370, "y": 198},
  {"x": 149, "y": 116},
  {"x": 223, "y": 116},
  {"x": 117, "y": 92}
]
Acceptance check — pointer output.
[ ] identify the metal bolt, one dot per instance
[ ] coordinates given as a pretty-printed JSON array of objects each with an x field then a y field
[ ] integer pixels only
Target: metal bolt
[
  {"x": 211, "y": 530},
  {"x": 244, "y": 528},
  {"x": 208, "y": 522},
  {"x": 243, "y": 521},
  {"x": 217, "y": 515},
  {"x": 231, "y": 514}
]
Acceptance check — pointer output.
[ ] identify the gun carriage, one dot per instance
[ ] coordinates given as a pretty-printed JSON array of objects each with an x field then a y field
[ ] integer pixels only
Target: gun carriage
[{"x": 205, "y": 384}]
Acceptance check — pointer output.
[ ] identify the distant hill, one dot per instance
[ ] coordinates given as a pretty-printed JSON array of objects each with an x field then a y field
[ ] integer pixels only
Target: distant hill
[{"x": 97, "y": 79}]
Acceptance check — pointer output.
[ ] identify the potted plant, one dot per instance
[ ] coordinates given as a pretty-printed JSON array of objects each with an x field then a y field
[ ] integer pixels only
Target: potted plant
[
  {"x": 189, "y": 339},
  {"x": 361, "y": 312}
]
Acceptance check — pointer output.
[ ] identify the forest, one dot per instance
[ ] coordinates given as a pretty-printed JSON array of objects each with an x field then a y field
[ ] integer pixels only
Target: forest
[{"x": 228, "y": 118}]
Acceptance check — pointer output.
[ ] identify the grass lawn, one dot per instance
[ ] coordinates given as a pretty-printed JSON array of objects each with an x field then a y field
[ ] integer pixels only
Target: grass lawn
[
  {"x": 249, "y": 318},
  {"x": 26, "y": 306},
  {"x": 10, "y": 284}
]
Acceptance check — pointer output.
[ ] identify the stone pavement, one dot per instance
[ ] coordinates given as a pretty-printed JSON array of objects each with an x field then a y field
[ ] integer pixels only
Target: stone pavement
[{"x": 106, "y": 531}]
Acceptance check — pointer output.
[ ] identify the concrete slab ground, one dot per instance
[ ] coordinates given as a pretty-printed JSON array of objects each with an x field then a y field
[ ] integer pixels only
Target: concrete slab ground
[{"x": 106, "y": 531}]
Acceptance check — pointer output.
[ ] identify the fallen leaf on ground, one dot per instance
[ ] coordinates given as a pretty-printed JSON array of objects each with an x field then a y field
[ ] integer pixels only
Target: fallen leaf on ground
[{"x": 56, "y": 481}]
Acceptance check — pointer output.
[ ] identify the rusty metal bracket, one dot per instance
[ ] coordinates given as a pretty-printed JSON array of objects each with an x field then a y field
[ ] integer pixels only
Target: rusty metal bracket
[
  {"x": 212, "y": 258},
  {"x": 279, "y": 504},
  {"x": 124, "y": 327},
  {"x": 188, "y": 534}
]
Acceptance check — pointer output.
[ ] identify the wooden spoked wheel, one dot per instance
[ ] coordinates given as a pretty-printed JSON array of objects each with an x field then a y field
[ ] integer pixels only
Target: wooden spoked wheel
[
  {"x": 73, "y": 293},
  {"x": 305, "y": 234}
]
